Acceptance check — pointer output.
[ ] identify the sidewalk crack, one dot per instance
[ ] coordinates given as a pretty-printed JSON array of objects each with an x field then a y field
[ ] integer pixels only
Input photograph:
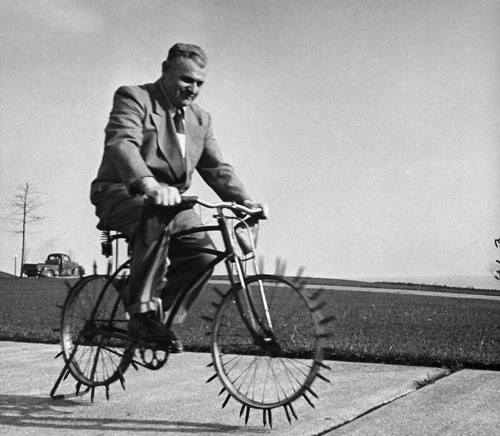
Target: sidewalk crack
[{"x": 417, "y": 385}]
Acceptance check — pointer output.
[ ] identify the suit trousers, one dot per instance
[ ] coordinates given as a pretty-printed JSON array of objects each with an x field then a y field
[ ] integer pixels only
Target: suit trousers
[{"x": 150, "y": 230}]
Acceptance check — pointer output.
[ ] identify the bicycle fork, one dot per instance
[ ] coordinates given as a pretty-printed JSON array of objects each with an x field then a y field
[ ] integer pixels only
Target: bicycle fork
[{"x": 261, "y": 329}]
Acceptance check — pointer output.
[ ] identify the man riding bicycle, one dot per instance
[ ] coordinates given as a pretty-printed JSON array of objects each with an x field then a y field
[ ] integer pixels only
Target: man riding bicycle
[{"x": 155, "y": 138}]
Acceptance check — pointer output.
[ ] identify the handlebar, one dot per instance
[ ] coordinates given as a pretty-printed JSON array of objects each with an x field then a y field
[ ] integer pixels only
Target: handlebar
[
  {"x": 234, "y": 207},
  {"x": 189, "y": 201}
]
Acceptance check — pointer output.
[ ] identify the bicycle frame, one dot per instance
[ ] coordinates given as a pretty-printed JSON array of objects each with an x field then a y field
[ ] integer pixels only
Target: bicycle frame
[{"x": 228, "y": 256}]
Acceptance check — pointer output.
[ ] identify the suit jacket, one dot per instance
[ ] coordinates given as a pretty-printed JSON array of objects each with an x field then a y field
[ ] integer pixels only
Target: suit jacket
[{"x": 141, "y": 141}]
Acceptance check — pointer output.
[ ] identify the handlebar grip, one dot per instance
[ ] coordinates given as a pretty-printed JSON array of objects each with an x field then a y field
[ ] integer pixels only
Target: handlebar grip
[{"x": 189, "y": 200}]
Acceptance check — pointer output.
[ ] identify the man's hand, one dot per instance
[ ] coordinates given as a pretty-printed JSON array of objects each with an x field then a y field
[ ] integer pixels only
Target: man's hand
[
  {"x": 265, "y": 208},
  {"x": 158, "y": 194}
]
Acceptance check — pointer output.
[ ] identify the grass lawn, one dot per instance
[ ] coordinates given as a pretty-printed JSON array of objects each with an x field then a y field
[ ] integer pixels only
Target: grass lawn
[{"x": 371, "y": 327}]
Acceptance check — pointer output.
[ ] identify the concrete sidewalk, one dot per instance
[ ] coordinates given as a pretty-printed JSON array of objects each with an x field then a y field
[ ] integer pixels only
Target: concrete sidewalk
[{"x": 362, "y": 399}]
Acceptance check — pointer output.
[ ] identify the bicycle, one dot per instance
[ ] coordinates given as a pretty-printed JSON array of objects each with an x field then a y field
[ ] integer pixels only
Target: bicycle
[{"x": 267, "y": 337}]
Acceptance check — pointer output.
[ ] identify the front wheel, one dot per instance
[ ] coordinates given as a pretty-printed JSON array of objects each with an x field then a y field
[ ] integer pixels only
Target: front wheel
[
  {"x": 267, "y": 342},
  {"x": 94, "y": 333}
]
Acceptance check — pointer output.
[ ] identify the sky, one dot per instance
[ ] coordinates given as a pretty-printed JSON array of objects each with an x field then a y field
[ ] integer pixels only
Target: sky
[{"x": 370, "y": 127}]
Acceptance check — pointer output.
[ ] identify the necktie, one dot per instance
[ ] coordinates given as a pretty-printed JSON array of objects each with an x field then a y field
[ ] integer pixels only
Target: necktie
[{"x": 178, "y": 121}]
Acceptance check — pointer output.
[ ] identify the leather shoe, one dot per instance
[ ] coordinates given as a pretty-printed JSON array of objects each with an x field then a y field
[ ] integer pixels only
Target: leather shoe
[
  {"x": 147, "y": 327},
  {"x": 175, "y": 345}
]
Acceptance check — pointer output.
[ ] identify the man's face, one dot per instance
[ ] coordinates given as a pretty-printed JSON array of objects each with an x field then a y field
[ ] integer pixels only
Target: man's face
[{"x": 182, "y": 81}]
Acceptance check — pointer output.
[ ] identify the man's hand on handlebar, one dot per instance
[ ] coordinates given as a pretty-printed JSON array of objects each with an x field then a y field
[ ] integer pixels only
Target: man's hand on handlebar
[
  {"x": 264, "y": 207},
  {"x": 159, "y": 195},
  {"x": 162, "y": 195}
]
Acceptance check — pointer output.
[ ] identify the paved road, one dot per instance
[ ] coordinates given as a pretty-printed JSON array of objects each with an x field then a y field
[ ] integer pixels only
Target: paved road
[{"x": 362, "y": 399}]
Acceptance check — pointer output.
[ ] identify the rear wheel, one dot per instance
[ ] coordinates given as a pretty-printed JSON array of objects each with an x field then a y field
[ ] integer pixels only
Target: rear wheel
[
  {"x": 94, "y": 331},
  {"x": 267, "y": 342}
]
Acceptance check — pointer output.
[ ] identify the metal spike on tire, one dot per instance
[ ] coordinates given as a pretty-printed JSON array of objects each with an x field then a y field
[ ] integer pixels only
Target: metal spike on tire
[
  {"x": 222, "y": 391},
  {"x": 58, "y": 355},
  {"x": 218, "y": 292},
  {"x": 211, "y": 378},
  {"x": 328, "y": 320},
  {"x": 280, "y": 266},
  {"x": 77, "y": 389},
  {"x": 267, "y": 417},
  {"x": 122, "y": 379},
  {"x": 287, "y": 414},
  {"x": 308, "y": 400},
  {"x": 324, "y": 365},
  {"x": 260, "y": 264},
  {"x": 247, "y": 415},
  {"x": 320, "y": 306},
  {"x": 242, "y": 410},
  {"x": 316, "y": 294},
  {"x": 224, "y": 404},
  {"x": 60, "y": 306},
  {"x": 207, "y": 318},
  {"x": 92, "y": 391},
  {"x": 298, "y": 277},
  {"x": 66, "y": 374},
  {"x": 322, "y": 377},
  {"x": 107, "y": 392},
  {"x": 209, "y": 365},
  {"x": 293, "y": 411},
  {"x": 314, "y": 394},
  {"x": 215, "y": 305}
]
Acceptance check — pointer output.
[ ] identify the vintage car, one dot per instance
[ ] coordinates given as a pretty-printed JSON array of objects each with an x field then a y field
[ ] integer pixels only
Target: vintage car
[{"x": 56, "y": 265}]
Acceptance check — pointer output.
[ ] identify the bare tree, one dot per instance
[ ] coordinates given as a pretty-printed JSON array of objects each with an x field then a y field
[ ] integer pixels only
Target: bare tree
[{"x": 23, "y": 208}]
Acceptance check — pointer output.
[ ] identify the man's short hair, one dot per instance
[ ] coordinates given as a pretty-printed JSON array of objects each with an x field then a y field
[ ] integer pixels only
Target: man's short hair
[{"x": 185, "y": 51}]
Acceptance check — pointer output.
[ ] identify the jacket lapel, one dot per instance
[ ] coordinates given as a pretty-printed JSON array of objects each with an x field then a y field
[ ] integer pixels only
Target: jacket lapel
[{"x": 167, "y": 137}]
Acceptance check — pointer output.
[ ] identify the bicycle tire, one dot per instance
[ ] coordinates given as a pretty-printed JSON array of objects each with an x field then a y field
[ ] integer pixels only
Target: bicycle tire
[
  {"x": 93, "y": 332},
  {"x": 260, "y": 374}
]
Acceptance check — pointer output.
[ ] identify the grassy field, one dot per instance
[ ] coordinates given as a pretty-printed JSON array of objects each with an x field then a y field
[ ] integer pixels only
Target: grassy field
[{"x": 371, "y": 327}]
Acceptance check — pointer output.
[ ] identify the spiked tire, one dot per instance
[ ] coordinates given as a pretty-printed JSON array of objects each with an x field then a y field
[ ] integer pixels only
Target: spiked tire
[
  {"x": 268, "y": 351},
  {"x": 94, "y": 339}
]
